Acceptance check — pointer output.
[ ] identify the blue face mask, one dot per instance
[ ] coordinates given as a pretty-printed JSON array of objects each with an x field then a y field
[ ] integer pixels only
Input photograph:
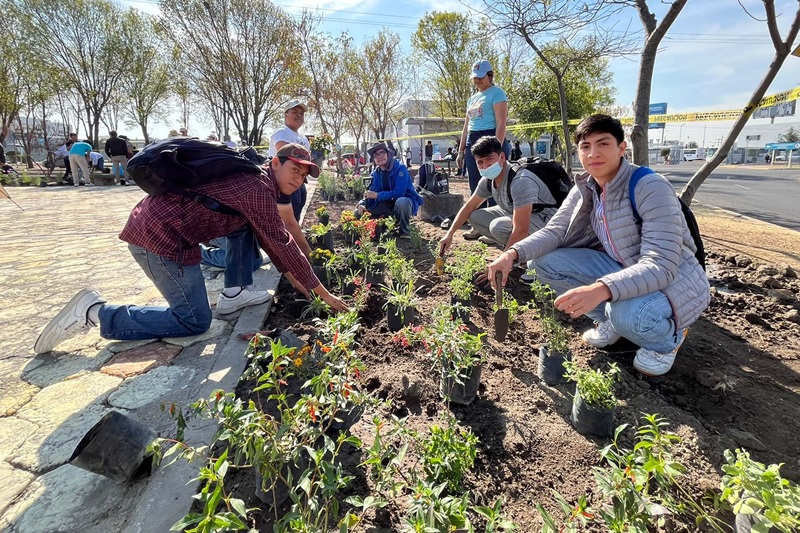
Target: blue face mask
[{"x": 492, "y": 171}]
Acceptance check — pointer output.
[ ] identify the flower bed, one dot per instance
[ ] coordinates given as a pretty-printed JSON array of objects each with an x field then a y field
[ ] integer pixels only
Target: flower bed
[{"x": 409, "y": 458}]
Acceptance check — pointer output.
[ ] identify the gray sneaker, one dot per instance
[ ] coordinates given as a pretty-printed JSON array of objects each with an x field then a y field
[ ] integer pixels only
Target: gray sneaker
[
  {"x": 247, "y": 297},
  {"x": 69, "y": 322}
]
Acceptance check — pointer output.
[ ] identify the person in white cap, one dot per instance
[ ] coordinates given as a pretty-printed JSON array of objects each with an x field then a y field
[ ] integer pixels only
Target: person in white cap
[
  {"x": 487, "y": 112},
  {"x": 294, "y": 116}
]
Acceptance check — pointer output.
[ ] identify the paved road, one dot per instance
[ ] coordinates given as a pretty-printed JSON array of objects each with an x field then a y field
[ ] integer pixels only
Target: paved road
[{"x": 768, "y": 194}]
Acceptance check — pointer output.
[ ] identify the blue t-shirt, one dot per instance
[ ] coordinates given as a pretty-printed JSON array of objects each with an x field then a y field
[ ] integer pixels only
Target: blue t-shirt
[
  {"x": 80, "y": 148},
  {"x": 480, "y": 108}
]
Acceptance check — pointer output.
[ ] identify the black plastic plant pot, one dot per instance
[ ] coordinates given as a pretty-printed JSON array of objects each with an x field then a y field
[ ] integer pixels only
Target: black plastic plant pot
[
  {"x": 744, "y": 524},
  {"x": 551, "y": 365},
  {"x": 461, "y": 393},
  {"x": 350, "y": 237},
  {"x": 394, "y": 320},
  {"x": 461, "y": 311},
  {"x": 349, "y": 289},
  {"x": 374, "y": 275},
  {"x": 327, "y": 241},
  {"x": 279, "y": 493},
  {"x": 340, "y": 196},
  {"x": 324, "y": 219},
  {"x": 378, "y": 232},
  {"x": 591, "y": 420},
  {"x": 116, "y": 447},
  {"x": 323, "y": 274},
  {"x": 325, "y": 195}
]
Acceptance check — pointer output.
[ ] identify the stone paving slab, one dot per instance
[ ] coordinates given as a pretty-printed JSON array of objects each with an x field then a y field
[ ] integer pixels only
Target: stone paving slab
[
  {"x": 154, "y": 386},
  {"x": 15, "y": 481},
  {"x": 135, "y": 361}
]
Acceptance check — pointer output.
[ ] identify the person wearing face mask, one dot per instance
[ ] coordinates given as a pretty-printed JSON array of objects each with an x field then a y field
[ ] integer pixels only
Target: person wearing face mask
[
  {"x": 514, "y": 216},
  {"x": 391, "y": 192},
  {"x": 487, "y": 112}
]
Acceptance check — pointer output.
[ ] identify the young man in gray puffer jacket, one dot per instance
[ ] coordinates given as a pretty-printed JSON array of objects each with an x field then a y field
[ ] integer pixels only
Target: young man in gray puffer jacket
[{"x": 640, "y": 281}]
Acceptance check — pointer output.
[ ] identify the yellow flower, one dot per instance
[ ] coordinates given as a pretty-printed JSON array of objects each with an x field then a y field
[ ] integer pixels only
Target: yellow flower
[{"x": 298, "y": 362}]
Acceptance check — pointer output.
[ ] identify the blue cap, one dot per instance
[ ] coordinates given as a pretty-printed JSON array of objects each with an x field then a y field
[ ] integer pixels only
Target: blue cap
[{"x": 481, "y": 68}]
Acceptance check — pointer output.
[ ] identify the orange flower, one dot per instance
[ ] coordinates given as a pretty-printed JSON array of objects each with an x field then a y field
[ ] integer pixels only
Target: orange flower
[
  {"x": 346, "y": 390},
  {"x": 313, "y": 413}
]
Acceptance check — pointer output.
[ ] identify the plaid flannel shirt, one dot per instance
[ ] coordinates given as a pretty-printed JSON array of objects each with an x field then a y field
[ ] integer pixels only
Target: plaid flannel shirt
[{"x": 173, "y": 226}]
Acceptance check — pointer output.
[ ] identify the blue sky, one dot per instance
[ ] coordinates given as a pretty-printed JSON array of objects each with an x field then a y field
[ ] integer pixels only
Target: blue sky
[{"x": 712, "y": 58}]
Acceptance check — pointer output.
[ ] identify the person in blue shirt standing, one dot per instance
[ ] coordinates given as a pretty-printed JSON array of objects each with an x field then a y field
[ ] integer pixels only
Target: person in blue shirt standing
[
  {"x": 391, "y": 191},
  {"x": 487, "y": 112},
  {"x": 79, "y": 159}
]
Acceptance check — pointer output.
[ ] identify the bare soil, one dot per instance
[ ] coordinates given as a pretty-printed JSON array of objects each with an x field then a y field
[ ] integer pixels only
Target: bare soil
[{"x": 735, "y": 384}]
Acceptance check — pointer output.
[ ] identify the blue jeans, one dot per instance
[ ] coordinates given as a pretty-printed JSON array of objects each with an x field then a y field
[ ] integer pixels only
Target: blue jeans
[
  {"x": 473, "y": 173},
  {"x": 298, "y": 198},
  {"x": 645, "y": 320},
  {"x": 238, "y": 253},
  {"x": 403, "y": 207},
  {"x": 184, "y": 289}
]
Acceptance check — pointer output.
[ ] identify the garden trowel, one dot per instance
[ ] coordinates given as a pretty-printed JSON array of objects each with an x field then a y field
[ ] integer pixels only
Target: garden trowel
[
  {"x": 501, "y": 315},
  {"x": 439, "y": 265}
]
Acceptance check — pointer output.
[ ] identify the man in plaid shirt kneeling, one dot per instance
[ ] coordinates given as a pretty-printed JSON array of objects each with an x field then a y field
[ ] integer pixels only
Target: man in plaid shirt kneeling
[{"x": 164, "y": 234}]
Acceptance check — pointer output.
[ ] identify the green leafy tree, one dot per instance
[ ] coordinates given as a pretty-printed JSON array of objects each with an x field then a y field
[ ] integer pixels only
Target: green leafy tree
[
  {"x": 241, "y": 52},
  {"x": 88, "y": 45},
  {"x": 147, "y": 86},
  {"x": 448, "y": 44},
  {"x": 588, "y": 87},
  {"x": 575, "y": 32},
  {"x": 385, "y": 62}
]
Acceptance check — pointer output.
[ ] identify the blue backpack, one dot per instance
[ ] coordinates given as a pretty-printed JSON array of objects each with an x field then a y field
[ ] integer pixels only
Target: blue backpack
[{"x": 691, "y": 221}]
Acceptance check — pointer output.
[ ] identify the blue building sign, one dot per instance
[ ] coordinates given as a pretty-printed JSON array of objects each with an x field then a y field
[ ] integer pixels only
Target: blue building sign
[
  {"x": 782, "y": 146},
  {"x": 658, "y": 109}
]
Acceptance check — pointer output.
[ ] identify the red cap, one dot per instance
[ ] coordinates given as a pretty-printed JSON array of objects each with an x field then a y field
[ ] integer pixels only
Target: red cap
[{"x": 299, "y": 154}]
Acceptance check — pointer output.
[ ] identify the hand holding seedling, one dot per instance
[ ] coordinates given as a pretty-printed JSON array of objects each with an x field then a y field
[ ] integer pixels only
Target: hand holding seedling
[{"x": 580, "y": 300}]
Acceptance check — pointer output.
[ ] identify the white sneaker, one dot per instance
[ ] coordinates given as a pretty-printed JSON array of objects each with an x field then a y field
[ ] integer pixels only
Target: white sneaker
[
  {"x": 248, "y": 296},
  {"x": 602, "y": 335},
  {"x": 652, "y": 363},
  {"x": 70, "y": 321},
  {"x": 472, "y": 234}
]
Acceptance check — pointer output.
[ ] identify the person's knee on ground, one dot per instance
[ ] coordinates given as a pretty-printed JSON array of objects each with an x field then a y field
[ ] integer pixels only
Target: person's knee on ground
[{"x": 500, "y": 230}]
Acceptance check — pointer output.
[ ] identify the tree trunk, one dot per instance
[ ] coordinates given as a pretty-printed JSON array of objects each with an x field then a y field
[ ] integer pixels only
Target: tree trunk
[
  {"x": 562, "y": 99},
  {"x": 641, "y": 106},
  {"x": 782, "y": 49}
]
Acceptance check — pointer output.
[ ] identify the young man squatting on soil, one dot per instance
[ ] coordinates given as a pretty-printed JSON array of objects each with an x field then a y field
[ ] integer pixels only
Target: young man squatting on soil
[{"x": 641, "y": 282}]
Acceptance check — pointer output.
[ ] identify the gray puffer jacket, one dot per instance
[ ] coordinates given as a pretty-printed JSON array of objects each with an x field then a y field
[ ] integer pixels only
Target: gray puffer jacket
[{"x": 657, "y": 255}]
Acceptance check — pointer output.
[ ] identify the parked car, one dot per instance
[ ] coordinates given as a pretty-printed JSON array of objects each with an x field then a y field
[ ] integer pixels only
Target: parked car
[{"x": 348, "y": 159}]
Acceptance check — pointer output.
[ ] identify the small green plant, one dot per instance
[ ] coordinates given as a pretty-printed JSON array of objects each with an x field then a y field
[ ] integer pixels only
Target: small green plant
[
  {"x": 430, "y": 511},
  {"x": 448, "y": 453},
  {"x": 595, "y": 386},
  {"x": 347, "y": 221},
  {"x": 322, "y": 212},
  {"x": 316, "y": 307},
  {"x": 319, "y": 230},
  {"x": 495, "y": 521},
  {"x": 212, "y": 496},
  {"x": 416, "y": 237},
  {"x": 751, "y": 488},
  {"x": 400, "y": 269},
  {"x": 402, "y": 296},
  {"x": 465, "y": 263},
  {"x": 555, "y": 335}
]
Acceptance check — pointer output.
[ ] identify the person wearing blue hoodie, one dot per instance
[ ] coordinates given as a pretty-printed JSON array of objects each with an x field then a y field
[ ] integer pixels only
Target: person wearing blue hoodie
[{"x": 391, "y": 192}]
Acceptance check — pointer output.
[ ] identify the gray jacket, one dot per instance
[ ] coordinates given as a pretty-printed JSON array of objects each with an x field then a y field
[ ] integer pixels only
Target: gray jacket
[{"x": 657, "y": 255}]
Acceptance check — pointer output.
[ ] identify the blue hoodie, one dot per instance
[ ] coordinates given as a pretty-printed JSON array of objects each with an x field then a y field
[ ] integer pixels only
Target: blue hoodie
[{"x": 400, "y": 185}]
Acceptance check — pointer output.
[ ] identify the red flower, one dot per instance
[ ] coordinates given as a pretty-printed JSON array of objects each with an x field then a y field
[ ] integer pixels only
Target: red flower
[{"x": 313, "y": 413}]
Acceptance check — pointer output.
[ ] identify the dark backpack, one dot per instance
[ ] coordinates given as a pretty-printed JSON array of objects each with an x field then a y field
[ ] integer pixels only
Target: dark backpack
[
  {"x": 552, "y": 175},
  {"x": 430, "y": 180},
  {"x": 691, "y": 221},
  {"x": 179, "y": 164}
]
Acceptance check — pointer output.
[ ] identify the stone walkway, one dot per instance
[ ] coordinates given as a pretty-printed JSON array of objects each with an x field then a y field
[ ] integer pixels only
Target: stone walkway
[{"x": 66, "y": 239}]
